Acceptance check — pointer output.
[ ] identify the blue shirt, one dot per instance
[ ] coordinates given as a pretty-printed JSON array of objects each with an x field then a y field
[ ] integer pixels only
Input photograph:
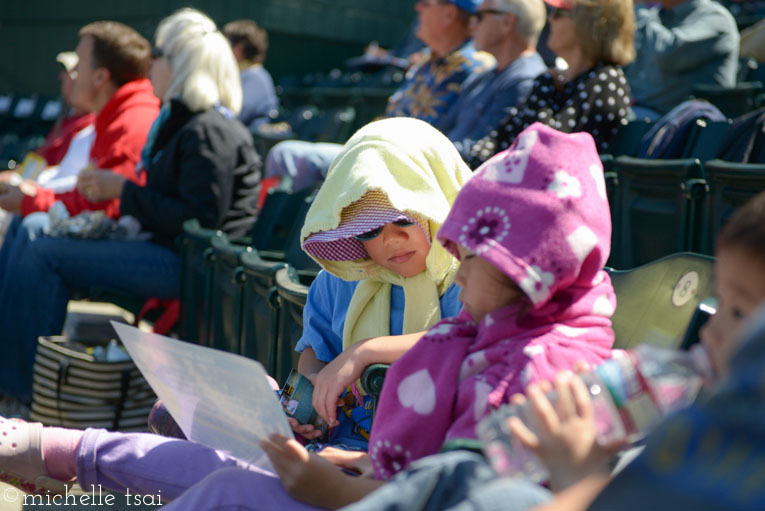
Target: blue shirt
[
  {"x": 431, "y": 89},
  {"x": 695, "y": 42},
  {"x": 258, "y": 96},
  {"x": 486, "y": 96},
  {"x": 327, "y": 304}
]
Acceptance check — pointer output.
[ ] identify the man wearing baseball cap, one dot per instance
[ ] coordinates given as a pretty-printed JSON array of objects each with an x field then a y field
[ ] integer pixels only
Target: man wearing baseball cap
[{"x": 429, "y": 92}]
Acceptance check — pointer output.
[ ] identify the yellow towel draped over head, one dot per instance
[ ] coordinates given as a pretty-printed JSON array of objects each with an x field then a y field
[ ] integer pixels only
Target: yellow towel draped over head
[{"x": 418, "y": 172}]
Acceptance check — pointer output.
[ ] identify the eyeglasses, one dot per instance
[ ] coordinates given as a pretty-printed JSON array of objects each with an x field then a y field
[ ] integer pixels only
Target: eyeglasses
[
  {"x": 559, "y": 12},
  {"x": 479, "y": 15},
  {"x": 156, "y": 52},
  {"x": 370, "y": 235}
]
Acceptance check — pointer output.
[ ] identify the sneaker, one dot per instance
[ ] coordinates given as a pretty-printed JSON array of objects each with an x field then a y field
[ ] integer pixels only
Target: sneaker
[{"x": 21, "y": 458}]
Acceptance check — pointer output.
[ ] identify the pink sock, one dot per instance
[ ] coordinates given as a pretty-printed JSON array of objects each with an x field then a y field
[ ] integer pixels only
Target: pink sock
[{"x": 59, "y": 446}]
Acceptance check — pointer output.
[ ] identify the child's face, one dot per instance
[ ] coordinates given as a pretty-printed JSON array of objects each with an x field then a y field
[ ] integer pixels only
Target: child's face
[
  {"x": 484, "y": 287},
  {"x": 399, "y": 248},
  {"x": 740, "y": 288}
]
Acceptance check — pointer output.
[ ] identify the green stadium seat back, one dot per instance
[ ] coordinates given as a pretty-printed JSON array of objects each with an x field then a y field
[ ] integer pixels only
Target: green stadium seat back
[
  {"x": 225, "y": 294},
  {"x": 292, "y": 289},
  {"x": 730, "y": 186},
  {"x": 732, "y": 101},
  {"x": 655, "y": 216},
  {"x": 196, "y": 275},
  {"x": 655, "y": 302},
  {"x": 260, "y": 309}
]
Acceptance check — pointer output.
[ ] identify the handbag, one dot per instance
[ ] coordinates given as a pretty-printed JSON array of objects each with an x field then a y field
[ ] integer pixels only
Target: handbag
[{"x": 75, "y": 389}]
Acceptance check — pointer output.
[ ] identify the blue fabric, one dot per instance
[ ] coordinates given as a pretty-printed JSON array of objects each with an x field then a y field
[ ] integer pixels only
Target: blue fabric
[
  {"x": 486, "y": 96},
  {"x": 34, "y": 295},
  {"x": 258, "y": 96},
  {"x": 327, "y": 304},
  {"x": 305, "y": 163},
  {"x": 707, "y": 457},
  {"x": 454, "y": 481},
  {"x": 431, "y": 89},
  {"x": 470, "y": 6},
  {"x": 323, "y": 321},
  {"x": 695, "y": 42},
  {"x": 669, "y": 136}
]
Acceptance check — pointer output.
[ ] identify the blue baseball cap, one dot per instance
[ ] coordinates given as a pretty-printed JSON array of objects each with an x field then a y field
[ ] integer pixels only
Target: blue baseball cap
[{"x": 470, "y": 6}]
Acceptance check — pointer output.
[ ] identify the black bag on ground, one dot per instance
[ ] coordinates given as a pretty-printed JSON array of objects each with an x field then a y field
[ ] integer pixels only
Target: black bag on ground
[{"x": 74, "y": 389}]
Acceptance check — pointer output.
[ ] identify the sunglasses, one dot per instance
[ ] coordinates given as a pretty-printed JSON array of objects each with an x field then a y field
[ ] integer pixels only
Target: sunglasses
[
  {"x": 370, "y": 235},
  {"x": 156, "y": 52},
  {"x": 559, "y": 12},
  {"x": 479, "y": 15}
]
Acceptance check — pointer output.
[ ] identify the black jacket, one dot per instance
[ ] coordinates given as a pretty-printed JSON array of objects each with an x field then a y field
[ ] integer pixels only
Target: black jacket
[{"x": 202, "y": 165}]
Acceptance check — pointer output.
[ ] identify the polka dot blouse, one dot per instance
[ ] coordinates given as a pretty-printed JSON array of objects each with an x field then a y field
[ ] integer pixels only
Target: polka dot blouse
[{"x": 597, "y": 101}]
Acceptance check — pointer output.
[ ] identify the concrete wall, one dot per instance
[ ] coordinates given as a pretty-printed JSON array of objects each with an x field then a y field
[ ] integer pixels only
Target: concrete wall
[{"x": 305, "y": 35}]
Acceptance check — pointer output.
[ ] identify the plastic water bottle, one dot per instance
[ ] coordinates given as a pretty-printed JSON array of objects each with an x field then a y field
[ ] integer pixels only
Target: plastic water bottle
[{"x": 631, "y": 393}]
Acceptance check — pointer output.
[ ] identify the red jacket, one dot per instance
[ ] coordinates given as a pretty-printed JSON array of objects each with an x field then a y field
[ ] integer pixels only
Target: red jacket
[{"x": 121, "y": 130}]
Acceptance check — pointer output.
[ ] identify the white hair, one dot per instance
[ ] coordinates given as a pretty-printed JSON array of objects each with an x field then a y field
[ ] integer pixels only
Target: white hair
[
  {"x": 204, "y": 69},
  {"x": 531, "y": 16}
]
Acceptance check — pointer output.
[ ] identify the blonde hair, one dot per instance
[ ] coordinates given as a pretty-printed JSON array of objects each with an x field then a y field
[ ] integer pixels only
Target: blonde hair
[
  {"x": 531, "y": 17},
  {"x": 204, "y": 69},
  {"x": 606, "y": 29}
]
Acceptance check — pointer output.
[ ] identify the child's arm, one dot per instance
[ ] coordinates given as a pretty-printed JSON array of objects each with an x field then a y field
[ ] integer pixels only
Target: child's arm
[
  {"x": 312, "y": 479},
  {"x": 346, "y": 368},
  {"x": 308, "y": 364}
]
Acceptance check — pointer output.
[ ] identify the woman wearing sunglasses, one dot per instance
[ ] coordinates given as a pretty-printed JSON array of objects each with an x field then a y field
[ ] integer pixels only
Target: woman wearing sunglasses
[{"x": 595, "y": 38}]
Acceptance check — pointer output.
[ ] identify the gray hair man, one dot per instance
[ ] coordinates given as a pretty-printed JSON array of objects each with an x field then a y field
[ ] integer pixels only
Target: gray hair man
[{"x": 509, "y": 30}]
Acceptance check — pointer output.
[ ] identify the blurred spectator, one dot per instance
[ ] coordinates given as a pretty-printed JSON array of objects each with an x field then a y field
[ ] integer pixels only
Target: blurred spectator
[
  {"x": 249, "y": 42},
  {"x": 198, "y": 162},
  {"x": 509, "y": 30},
  {"x": 431, "y": 89},
  {"x": 112, "y": 82},
  {"x": 72, "y": 120},
  {"x": 680, "y": 43},
  {"x": 595, "y": 39},
  {"x": 66, "y": 148},
  {"x": 429, "y": 92}
]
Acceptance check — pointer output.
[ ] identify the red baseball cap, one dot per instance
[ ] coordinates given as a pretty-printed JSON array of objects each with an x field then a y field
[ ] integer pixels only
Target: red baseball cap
[{"x": 561, "y": 4}]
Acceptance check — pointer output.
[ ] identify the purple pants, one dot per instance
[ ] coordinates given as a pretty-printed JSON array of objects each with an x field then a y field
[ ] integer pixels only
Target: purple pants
[{"x": 190, "y": 475}]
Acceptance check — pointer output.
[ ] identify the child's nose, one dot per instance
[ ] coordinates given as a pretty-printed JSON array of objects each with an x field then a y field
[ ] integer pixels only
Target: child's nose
[
  {"x": 459, "y": 277},
  {"x": 394, "y": 233}
]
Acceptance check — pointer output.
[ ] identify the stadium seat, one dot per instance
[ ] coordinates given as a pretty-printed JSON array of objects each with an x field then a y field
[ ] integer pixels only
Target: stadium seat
[
  {"x": 732, "y": 101},
  {"x": 730, "y": 186},
  {"x": 225, "y": 294},
  {"x": 196, "y": 274},
  {"x": 657, "y": 205},
  {"x": 292, "y": 290},
  {"x": 655, "y": 302}
]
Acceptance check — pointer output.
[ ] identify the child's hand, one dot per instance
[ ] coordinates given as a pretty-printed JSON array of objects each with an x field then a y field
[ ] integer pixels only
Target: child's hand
[
  {"x": 304, "y": 430},
  {"x": 356, "y": 461},
  {"x": 567, "y": 438},
  {"x": 306, "y": 476},
  {"x": 332, "y": 380}
]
